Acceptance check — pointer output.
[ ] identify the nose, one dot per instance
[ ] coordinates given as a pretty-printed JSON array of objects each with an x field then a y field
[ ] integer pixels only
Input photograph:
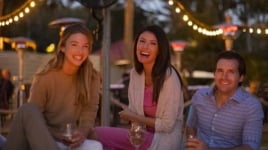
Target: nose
[
  {"x": 224, "y": 75},
  {"x": 81, "y": 49},
  {"x": 145, "y": 45}
]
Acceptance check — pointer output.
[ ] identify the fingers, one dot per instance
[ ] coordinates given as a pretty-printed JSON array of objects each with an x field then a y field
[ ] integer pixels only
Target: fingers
[
  {"x": 195, "y": 144},
  {"x": 191, "y": 144},
  {"x": 77, "y": 140}
]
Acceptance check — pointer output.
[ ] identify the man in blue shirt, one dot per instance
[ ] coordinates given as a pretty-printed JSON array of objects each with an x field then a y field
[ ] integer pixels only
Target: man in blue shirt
[{"x": 225, "y": 116}]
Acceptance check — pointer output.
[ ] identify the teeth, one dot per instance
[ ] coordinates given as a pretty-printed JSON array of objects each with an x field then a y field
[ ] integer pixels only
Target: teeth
[
  {"x": 78, "y": 57},
  {"x": 144, "y": 53}
]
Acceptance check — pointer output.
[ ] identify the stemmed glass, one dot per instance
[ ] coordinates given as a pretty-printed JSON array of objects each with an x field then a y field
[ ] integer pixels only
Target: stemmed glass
[
  {"x": 67, "y": 134},
  {"x": 136, "y": 134},
  {"x": 189, "y": 134}
]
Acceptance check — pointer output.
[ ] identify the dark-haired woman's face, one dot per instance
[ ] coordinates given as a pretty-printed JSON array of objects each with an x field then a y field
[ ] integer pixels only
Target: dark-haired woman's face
[
  {"x": 147, "y": 48},
  {"x": 76, "y": 50}
]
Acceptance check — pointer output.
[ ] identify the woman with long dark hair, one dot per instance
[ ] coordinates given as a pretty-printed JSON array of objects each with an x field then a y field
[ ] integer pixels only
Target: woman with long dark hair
[{"x": 155, "y": 97}]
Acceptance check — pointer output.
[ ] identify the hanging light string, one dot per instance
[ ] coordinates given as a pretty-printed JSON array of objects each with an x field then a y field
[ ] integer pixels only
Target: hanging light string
[
  {"x": 18, "y": 14},
  {"x": 192, "y": 22},
  {"x": 208, "y": 30}
]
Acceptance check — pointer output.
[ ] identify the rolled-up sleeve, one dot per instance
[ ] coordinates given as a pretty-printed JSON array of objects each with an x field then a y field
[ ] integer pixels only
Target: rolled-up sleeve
[{"x": 252, "y": 132}]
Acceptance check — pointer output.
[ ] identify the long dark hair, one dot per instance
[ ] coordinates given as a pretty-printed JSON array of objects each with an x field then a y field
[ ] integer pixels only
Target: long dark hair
[{"x": 162, "y": 62}]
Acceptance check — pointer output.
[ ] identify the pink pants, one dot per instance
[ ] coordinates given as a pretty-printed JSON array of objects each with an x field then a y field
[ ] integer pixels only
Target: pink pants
[{"x": 113, "y": 138}]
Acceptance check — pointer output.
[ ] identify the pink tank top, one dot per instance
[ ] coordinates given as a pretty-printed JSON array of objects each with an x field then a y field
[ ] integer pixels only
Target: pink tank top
[{"x": 148, "y": 105}]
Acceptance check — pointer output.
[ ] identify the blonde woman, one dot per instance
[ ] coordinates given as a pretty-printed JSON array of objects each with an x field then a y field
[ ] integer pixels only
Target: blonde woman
[{"x": 65, "y": 90}]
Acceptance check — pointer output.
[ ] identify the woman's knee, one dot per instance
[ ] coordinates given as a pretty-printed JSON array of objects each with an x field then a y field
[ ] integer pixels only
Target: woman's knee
[
  {"x": 29, "y": 110},
  {"x": 97, "y": 145},
  {"x": 91, "y": 145},
  {"x": 28, "y": 107}
]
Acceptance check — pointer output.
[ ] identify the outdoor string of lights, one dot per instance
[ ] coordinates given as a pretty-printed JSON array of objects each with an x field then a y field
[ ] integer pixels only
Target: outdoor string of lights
[
  {"x": 18, "y": 14},
  {"x": 206, "y": 29},
  {"x": 196, "y": 25}
]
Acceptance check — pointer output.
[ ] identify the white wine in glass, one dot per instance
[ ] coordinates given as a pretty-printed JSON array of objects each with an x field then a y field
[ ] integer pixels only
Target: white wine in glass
[
  {"x": 68, "y": 133},
  {"x": 136, "y": 134}
]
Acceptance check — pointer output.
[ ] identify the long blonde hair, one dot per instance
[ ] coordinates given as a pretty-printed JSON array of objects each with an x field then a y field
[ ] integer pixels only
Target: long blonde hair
[{"x": 85, "y": 71}]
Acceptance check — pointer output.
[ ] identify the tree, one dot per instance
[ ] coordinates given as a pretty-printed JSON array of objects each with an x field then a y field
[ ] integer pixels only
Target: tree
[{"x": 202, "y": 55}]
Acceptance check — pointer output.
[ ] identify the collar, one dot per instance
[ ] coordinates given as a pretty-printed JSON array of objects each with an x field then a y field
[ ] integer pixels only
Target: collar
[{"x": 237, "y": 96}]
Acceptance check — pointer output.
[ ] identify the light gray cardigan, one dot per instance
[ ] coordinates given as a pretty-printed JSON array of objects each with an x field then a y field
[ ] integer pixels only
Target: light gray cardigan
[{"x": 169, "y": 113}]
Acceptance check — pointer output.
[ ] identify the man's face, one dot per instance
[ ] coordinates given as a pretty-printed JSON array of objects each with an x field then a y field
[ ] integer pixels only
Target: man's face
[{"x": 227, "y": 76}]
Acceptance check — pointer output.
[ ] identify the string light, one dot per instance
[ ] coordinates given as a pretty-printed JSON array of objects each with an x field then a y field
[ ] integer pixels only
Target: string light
[
  {"x": 24, "y": 9},
  {"x": 207, "y": 29},
  {"x": 18, "y": 14},
  {"x": 192, "y": 22}
]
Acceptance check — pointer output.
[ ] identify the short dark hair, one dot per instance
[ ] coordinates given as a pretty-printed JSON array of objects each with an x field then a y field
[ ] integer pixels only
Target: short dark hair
[{"x": 235, "y": 56}]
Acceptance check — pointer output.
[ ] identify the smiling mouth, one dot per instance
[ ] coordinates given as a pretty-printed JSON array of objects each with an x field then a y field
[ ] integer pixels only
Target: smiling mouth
[
  {"x": 78, "y": 58},
  {"x": 145, "y": 54}
]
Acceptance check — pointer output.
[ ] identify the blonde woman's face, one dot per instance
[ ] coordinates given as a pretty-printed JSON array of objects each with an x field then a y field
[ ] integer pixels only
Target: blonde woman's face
[{"x": 76, "y": 50}]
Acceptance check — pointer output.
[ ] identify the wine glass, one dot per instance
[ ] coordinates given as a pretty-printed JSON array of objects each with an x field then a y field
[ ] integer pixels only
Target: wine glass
[
  {"x": 67, "y": 134},
  {"x": 190, "y": 133},
  {"x": 136, "y": 134}
]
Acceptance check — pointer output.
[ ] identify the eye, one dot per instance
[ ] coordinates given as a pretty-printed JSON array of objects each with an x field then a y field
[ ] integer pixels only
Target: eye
[
  {"x": 219, "y": 71},
  {"x": 86, "y": 46},
  {"x": 231, "y": 71},
  {"x": 153, "y": 43},
  {"x": 73, "y": 44},
  {"x": 142, "y": 41}
]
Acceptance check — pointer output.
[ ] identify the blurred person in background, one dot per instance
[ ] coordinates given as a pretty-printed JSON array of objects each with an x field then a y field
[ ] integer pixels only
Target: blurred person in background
[
  {"x": 9, "y": 87},
  {"x": 121, "y": 97}
]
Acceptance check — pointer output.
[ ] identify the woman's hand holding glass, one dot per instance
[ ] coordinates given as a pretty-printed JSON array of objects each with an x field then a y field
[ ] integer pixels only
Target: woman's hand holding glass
[
  {"x": 136, "y": 134},
  {"x": 72, "y": 136}
]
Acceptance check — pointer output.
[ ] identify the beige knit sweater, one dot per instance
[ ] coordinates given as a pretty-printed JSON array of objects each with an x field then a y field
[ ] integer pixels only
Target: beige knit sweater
[
  {"x": 54, "y": 94},
  {"x": 169, "y": 113}
]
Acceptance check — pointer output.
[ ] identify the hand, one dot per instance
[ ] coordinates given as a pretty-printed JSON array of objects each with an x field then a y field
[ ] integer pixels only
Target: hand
[
  {"x": 195, "y": 144},
  {"x": 78, "y": 137},
  {"x": 126, "y": 114},
  {"x": 118, "y": 103}
]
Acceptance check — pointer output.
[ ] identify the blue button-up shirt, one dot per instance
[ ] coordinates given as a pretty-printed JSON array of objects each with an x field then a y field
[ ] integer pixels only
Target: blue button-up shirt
[{"x": 237, "y": 122}]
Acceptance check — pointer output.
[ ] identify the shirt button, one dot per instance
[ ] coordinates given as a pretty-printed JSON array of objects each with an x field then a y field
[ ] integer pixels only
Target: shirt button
[{"x": 215, "y": 115}]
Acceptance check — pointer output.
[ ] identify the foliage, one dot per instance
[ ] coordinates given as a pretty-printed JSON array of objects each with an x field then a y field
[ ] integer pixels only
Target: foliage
[
  {"x": 199, "y": 55},
  {"x": 252, "y": 47}
]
